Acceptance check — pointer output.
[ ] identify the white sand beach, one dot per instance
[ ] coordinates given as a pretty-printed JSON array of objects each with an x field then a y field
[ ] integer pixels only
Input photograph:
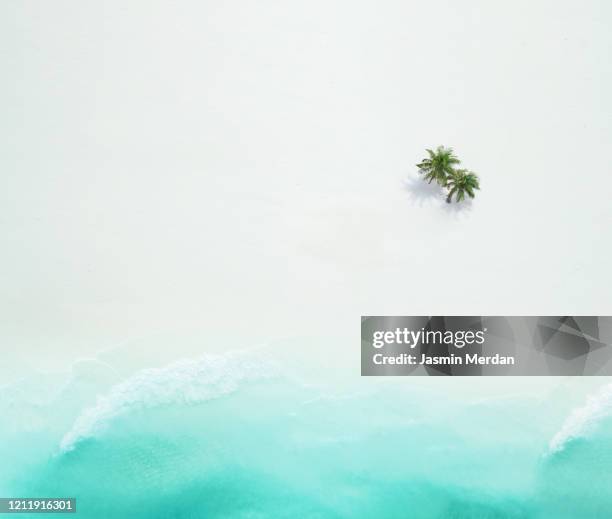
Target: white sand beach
[
  {"x": 200, "y": 198},
  {"x": 245, "y": 172}
]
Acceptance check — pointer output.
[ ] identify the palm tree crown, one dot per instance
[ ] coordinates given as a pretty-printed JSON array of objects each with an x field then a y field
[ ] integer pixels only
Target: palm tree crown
[
  {"x": 461, "y": 182},
  {"x": 439, "y": 165}
]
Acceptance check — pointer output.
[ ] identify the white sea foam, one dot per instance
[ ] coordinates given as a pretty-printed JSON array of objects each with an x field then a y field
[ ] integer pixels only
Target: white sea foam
[
  {"x": 182, "y": 382},
  {"x": 583, "y": 420}
]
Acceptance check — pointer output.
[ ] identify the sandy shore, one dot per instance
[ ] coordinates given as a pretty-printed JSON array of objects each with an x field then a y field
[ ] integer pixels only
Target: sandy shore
[{"x": 247, "y": 171}]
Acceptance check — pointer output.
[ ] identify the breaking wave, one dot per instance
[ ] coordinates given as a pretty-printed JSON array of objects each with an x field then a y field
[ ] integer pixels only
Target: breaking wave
[
  {"x": 182, "y": 382},
  {"x": 583, "y": 420}
]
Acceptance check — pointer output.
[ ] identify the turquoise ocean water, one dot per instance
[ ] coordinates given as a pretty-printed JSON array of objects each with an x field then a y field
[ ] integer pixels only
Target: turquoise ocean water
[{"x": 236, "y": 436}]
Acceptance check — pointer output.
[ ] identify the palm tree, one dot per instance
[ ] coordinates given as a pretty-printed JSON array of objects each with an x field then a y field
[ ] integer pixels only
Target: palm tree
[
  {"x": 439, "y": 166},
  {"x": 461, "y": 182}
]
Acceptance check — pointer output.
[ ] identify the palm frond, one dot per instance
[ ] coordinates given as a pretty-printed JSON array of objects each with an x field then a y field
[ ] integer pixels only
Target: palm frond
[{"x": 441, "y": 167}]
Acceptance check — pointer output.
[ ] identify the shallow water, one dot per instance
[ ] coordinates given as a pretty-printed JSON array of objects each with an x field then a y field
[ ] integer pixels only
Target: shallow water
[{"x": 235, "y": 436}]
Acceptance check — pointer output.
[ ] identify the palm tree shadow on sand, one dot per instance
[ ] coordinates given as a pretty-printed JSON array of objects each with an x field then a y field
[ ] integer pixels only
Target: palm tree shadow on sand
[{"x": 423, "y": 193}]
